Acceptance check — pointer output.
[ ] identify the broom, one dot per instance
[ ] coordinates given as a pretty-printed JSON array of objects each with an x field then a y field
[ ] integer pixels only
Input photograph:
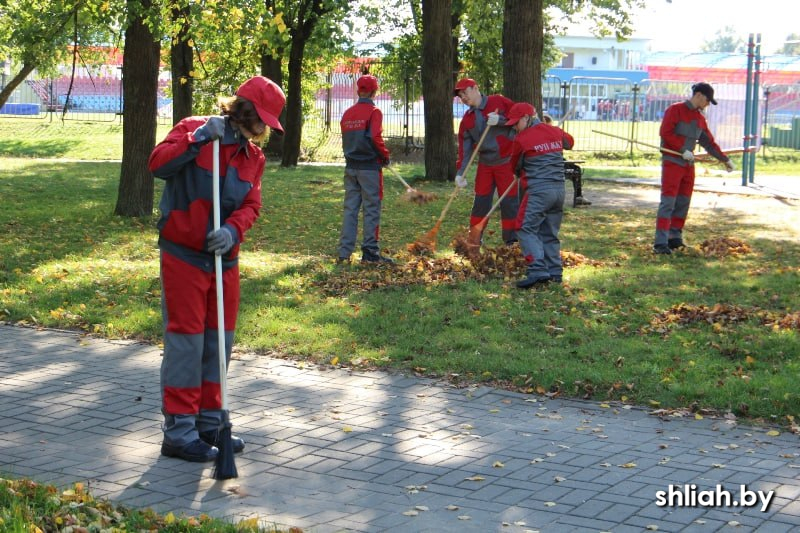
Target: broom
[
  {"x": 428, "y": 241},
  {"x": 225, "y": 466},
  {"x": 412, "y": 194},
  {"x": 475, "y": 232},
  {"x": 698, "y": 157}
]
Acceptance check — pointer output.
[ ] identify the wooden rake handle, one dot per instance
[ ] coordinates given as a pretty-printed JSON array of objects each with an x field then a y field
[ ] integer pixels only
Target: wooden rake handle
[
  {"x": 485, "y": 219},
  {"x": 665, "y": 150},
  {"x": 398, "y": 176},
  {"x": 469, "y": 163}
]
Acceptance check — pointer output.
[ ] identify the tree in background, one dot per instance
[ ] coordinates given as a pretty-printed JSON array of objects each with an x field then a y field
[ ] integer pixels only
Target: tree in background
[
  {"x": 791, "y": 47},
  {"x": 725, "y": 41},
  {"x": 437, "y": 87},
  {"x": 140, "y": 68},
  {"x": 30, "y": 41}
]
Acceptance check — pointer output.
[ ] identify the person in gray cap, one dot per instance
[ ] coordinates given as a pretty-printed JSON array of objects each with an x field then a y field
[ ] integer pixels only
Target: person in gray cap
[{"x": 682, "y": 128}]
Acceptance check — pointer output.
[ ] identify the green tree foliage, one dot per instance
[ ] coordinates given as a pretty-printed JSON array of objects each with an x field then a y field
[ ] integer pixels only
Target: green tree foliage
[
  {"x": 791, "y": 47},
  {"x": 38, "y": 34},
  {"x": 725, "y": 41}
]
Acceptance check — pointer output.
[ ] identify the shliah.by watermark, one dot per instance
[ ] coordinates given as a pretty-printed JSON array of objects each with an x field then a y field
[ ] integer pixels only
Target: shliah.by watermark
[{"x": 690, "y": 496}]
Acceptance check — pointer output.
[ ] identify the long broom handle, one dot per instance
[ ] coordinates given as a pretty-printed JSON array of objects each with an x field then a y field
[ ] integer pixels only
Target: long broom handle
[
  {"x": 471, "y": 159},
  {"x": 398, "y": 176},
  {"x": 497, "y": 203},
  {"x": 660, "y": 148},
  {"x": 223, "y": 367}
]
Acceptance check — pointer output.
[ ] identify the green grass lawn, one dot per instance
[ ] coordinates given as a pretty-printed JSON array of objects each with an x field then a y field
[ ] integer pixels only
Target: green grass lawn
[{"x": 627, "y": 326}]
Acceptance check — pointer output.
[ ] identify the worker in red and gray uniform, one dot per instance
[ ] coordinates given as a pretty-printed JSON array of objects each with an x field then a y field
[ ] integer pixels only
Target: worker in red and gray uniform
[
  {"x": 365, "y": 156},
  {"x": 537, "y": 158},
  {"x": 682, "y": 128},
  {"x": 494, "y": 171},
  {"x": 190, "y": 380}
]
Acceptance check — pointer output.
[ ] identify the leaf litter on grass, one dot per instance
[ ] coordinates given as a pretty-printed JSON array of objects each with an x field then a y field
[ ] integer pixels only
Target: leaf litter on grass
[{"x": 502, "y": 262}]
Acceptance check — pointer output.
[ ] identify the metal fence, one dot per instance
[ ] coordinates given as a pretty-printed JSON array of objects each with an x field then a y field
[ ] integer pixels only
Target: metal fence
[{"x": 585, "y": 106}]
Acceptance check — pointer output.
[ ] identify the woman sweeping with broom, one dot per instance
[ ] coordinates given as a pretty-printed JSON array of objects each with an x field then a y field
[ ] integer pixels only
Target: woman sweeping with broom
[{"x": 192, "y": 380}]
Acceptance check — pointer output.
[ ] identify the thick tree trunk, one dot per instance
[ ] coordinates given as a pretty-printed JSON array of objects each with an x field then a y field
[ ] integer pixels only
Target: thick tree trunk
[
  {"x": 271, "y": 68},
  {"x": 15, "y": 82},
  {"x": 140, "y": 66},
  {"x": 294, "y": 105},
  {"x": 523, "y": 45},
  {"x": 181, "y": 64},
  {"x": 437, "y": 86}
]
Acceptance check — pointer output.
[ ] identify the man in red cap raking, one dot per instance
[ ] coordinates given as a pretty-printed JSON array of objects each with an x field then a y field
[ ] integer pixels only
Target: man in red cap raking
[
  {"x": 190, "y": 380},
  {"x": 365, "y": 156},
  {"x": 537, "y": 156},
  {"x": 493, "y": 172},
  {"x": 682, "y": 128}
]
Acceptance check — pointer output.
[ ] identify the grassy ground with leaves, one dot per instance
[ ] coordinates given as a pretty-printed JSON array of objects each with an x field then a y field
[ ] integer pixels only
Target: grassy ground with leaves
[
  {"x": 712, "y": 329},
  {"x": 30, "y": 507}
]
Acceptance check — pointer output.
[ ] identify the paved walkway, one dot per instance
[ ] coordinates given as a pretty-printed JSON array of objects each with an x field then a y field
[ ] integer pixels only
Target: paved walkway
[{"x": 333, "y": 450}]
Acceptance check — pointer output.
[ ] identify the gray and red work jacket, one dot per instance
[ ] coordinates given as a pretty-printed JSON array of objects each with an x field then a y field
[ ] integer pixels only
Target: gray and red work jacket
[
  {"x": 185, "y": 161},
  {"x": 362, "y": 136},
  {"x": 496, "y": 147},
  {"x": 537, "y": 154},
  {"x": 683, "y": 127}
]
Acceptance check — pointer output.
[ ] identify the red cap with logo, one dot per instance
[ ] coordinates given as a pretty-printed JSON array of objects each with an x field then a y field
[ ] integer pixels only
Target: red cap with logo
[
  {"x": 463, "y": 84},
  {"x": 266, "y": 97},
  {"x": 518, "y": 111},
  {"x": 367, "y": 84}
]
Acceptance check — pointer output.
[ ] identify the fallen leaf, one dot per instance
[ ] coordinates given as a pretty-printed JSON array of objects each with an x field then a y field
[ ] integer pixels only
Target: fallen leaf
[
  {"x": 475, "y": 478},
  {"x": 498, "y": 464},
  {"x": 452, "y": 507},
  {"x": 464, "y": 517},
  {"x": 628, "y": 465},
  {"x": 549, "y": 504},
  {"x": 411, "y": 513}
]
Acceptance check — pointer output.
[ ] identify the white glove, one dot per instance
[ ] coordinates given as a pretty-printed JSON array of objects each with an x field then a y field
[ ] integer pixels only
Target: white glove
[
  {"x": 493, "y": 119},
  {"x": 461, "y": 181},
  {"x": 221, "y": 240},
  {"x": 729, "y": 166},
  {"x": 688, "y": 155}
]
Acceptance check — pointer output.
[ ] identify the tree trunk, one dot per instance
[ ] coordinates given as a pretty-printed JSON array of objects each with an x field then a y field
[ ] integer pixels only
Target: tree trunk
[
  {"x": 523, "y": 45},
  {"x": 294, "y": 105},
  {"x": 437, "y": 87},
  {"x": 140, "y": 64},
  {"x": 271, "y": 68},
  {"x": 181, "y": 65},
  {"x": 15, "y": 82}
]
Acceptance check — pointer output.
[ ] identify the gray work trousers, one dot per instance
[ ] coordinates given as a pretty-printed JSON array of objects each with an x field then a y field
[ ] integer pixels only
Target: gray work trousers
[
  {"x": 363, "y": 189},
  {"x": 538, "y": 236}
]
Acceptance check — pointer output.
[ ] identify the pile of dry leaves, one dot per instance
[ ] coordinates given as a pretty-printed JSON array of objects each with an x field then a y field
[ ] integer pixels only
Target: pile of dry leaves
[
  {"x": 420, "y": 268},
  {"x": 722, "y": 315},
  {"x": 725, "y": 246}
]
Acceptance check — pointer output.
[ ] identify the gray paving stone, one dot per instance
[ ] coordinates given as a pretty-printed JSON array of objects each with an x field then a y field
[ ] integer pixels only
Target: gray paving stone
[{"x": 91, "y": 413}]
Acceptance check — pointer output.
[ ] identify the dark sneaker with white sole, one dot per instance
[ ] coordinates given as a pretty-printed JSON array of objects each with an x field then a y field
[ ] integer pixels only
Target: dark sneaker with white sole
[
  {"x": 376, "y": 258},
  {"x": 533, "y": 281},
  {"x": 662, "y": 249},
  {"x": 196, "y": 451},
  {"x": 674, "y": 244},
  {"x": 210, "y": 438}
]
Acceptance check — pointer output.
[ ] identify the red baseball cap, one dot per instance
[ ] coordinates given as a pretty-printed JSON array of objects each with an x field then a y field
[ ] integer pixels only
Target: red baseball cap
[
  {"x": 266, "y": 97},
  {"x": 367, "y": 84},
  {"x": 463, "y": 84},
  {"x": 518, "y": 111}
]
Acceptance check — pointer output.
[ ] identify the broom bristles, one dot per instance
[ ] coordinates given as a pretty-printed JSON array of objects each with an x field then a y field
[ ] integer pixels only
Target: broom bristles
[
  {"x": 225, "y": 465},
  {"x": 418, "y": 197},
  {"x": 426, "y": 243}
]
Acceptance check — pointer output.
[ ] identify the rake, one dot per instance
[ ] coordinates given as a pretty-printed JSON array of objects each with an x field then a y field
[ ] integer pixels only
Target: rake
[
  {"x": 412, "y": 194},
  {"x": 427, "y": 243},
  {"x": 475, "y": 232}
]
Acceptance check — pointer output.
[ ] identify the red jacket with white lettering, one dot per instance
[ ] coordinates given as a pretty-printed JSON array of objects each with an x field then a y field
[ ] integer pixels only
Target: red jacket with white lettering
[{"x": 537, "y": 153}]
